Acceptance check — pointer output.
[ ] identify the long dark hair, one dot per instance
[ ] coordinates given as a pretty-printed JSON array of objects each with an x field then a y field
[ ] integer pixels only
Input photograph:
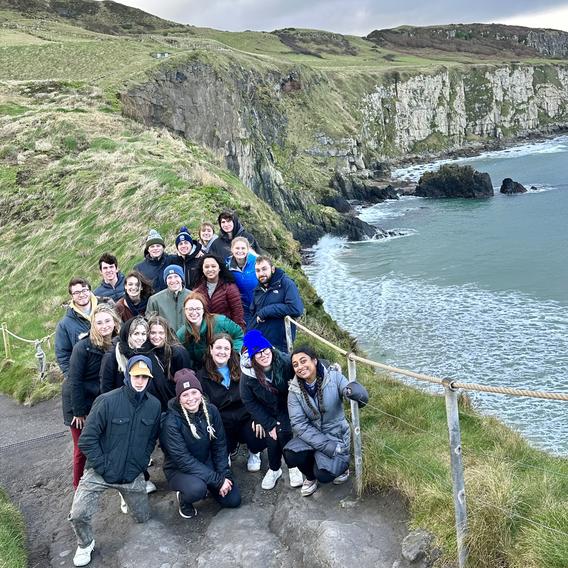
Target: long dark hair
[
  {"x": 192, "y": 332},
  {"x": 233, "y": 362},
  {"x": 310, "y": 352},
  {"x": 169, "y": 341},
  {"x": 146, "y": 289},
  {"x": 224, "y": 273}
]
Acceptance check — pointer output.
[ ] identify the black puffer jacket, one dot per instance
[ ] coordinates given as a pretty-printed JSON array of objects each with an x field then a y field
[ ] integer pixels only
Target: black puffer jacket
[
  {"x": 190, "y": 265},
  {"x": 227, "y": 400},
  {"x": 268, "y": 407},
  {"x": 221, "y": 247},
  {"x": 81, "y": 386},
  {"x": 120, "y": 434},
  {"x": 204, "y": 457},
  {"x": 153, "y": 269}
]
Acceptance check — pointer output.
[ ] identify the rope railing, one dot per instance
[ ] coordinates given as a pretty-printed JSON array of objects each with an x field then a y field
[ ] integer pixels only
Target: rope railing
[{"x": 452, "y": 413}]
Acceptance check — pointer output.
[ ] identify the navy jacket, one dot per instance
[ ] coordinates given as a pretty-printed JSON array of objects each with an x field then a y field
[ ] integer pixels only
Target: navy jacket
[
  {"x": 190, "y": 265},
  {"x": 271, "y": 304},
  {"x": 120, "y": 434},
  {"x": 153, "y": 269},
  {"x": 82, "y": 385},
  {"x": 105, "y": 290},
  {"x": 68, "y": 331},
  {"x": 204, "y": 457}
]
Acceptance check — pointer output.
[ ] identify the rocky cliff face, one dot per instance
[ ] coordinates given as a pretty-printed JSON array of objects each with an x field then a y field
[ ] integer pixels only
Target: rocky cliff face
[{"x": 248, "y": 116}]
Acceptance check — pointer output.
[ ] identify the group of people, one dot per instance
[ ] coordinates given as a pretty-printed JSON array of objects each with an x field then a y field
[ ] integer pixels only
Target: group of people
[{"x": 191, "y": 349}]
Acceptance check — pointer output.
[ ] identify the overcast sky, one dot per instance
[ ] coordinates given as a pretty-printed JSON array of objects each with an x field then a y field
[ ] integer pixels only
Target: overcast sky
[{"x": 358, "y": 17}]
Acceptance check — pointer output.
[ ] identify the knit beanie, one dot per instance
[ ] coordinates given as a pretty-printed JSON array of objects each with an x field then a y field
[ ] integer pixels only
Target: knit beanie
[
  {"x": 186, "y": 379},
  {"x": 254, "y": 342},
  {"x": 183, "y": 235},
  {"x": 153, "y": 238},
  {"x": 174, "y": 269}
]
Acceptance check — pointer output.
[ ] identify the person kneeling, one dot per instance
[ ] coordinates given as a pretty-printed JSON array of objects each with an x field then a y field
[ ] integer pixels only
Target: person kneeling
[
  {"x": 193, "y": 440},
  {"x": 118, "y": 439},
  {"x": 321, "y": 443}
]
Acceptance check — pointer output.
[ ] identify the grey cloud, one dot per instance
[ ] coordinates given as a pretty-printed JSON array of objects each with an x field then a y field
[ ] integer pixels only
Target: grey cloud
[{"x": 344, "y": 16}]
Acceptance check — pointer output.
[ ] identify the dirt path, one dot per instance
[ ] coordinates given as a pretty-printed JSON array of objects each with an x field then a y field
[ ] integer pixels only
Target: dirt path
[{"x": 275, "y": 528}]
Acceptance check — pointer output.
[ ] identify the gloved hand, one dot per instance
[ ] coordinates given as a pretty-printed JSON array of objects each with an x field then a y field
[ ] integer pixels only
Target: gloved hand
[{"x": 357, "y": 392}]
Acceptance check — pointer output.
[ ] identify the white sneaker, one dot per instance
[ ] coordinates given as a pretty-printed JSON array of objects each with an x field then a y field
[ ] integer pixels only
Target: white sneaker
[
  {"x": 83, "y": 555},
  {"x": 253, "y": 463},
  {"x": 271, "y": 478},
  {"x": 296, "y": 477},
  {"x": 123, "y": 505},
  {"x": 150, "y": 487},
  {"x": 341, "y": 478},
  {"x": 309, "y": 487}
]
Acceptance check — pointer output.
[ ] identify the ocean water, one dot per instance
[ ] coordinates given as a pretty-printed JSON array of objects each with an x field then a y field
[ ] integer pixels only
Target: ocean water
[{"x": 477, "y": 291}]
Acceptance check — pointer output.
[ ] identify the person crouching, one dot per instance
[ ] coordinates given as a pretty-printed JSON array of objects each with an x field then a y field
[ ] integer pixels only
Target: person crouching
[
  {"x": 118, "y": 439},
  {"x": 193, "y": 440}
]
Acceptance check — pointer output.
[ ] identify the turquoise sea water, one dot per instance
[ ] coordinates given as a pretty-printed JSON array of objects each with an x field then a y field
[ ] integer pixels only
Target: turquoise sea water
[{"x": 478, "y": 291}]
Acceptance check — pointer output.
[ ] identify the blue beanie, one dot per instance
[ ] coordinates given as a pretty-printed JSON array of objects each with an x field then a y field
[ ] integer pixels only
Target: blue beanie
[
  {"x": 254, "y": 342},
  {"x": 174, "y": 269},
  {"x": 183, "y": 235}
]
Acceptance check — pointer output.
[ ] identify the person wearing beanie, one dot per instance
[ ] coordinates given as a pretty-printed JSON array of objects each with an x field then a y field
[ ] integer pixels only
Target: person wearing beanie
[
  {"x": 266, "y": 373},
  {"x": 195, "y": 454},
  {"x": 155, "y": 260},
  {"x": 188, "y": 253},
  {"x": 118, "y": 439},
  {"x": 230, "y": 227},
  {"x": 169, "y": 302}
]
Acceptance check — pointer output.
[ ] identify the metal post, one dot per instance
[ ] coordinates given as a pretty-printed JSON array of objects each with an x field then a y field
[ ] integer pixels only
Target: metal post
[
  {"x": 452, "y": 414},
  {"x": 288, "y": 327},
  {"x": 357, "y": 446}
]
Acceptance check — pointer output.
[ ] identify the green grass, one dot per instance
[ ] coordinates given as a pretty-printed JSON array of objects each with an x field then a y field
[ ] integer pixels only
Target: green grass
[{"x": 12, "y": 535}]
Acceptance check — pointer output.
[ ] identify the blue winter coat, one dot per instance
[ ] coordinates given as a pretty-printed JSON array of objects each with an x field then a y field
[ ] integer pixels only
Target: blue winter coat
[
  {"x": 271, "y": 304},
  {"x": 120, "y": 434},
  {"x": 204, "y": 457},
  {"x": 153, "y": 269},
  {"x": 105, "y": 290},
  {"x": 67, "y": 333},
  {"x": 246, "y": 281}
]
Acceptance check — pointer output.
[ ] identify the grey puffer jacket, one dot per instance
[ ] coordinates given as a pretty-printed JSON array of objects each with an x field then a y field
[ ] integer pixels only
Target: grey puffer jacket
[{"x": 327, "y": 433}]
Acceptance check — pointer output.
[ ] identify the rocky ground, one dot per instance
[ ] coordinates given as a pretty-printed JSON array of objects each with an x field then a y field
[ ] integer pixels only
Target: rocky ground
[{"x": 271, "y": 529}]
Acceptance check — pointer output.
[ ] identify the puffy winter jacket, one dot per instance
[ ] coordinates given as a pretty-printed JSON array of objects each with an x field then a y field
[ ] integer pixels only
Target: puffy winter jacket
[
  {"x": 169, "y": 305},
  {"x": 72, "y": 327},
  {"x": 105, "y": 290},
  {"x": 246, "y": 281},
  {"x": 271, "y": 304},
  {"x": 204, "y": 457},
  {"x": 226, "y": 300},
  {"x": 120, "y": 434},
  {"x": 190, "y": 265},
  {"x": 221, "y": 247},
  {"x": 264, "y": 405},
  {"x": 153, "y": 269}
]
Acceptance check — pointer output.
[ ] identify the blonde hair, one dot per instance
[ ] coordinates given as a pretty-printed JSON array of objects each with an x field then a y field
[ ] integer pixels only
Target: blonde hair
[
  {"x": 241, "y": 240},
  {"x": 96, "y": 338},
  {"x": 210, "y": 429}
]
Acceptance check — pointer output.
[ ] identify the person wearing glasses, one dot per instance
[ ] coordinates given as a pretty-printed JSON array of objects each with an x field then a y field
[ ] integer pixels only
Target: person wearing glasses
[
  {"x": 200, "y": 327},
  {"x": 76, "y": 322}
]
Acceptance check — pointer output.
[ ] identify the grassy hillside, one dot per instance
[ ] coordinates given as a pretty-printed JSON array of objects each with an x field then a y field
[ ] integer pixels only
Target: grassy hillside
[{"x": 79, "y": 179}]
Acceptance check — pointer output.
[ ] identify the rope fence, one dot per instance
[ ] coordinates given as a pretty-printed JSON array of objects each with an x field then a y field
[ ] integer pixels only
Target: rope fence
[
  {"x": 451, "y": 388},
  {"x": 37, "y": 343}
]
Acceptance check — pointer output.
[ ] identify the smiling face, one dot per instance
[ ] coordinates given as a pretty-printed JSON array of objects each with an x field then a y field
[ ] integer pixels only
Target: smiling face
[
  {"x": 206, "y": 233},
  {"x": 139, "y": 382},
  {"x": 157, "y": 335},
  {"x": 104, "y": 324},
  {"x": 191, "y": 399},
  {"x": 174, "y": 283},
  {"x": 211, "y": 270},
  {"x": 240, "y": 251},
  {"x": 220, "y": 351},
  {"x": 81, "y": 295},
  {"x": 184, "y": 247},
  {"x": 304, "y": 367},
  {"x": 264, "y": 358},
  {"x": 227, "y": 225},
  {"x": 109, "y": 273},
  {"x": 194, "y": 312},
  {"x": 132, "y": 287},
  {"x": 264, "y": 271},
  {"x": 155, "y": 251},
  {"x": 137, "y": 337}
]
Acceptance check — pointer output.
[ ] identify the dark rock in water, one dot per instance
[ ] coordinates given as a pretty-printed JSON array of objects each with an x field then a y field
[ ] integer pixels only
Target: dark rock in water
[
  {"x": 370, "y": 191},
  {"x": 509, "y": 186},
  {"x": 534, "y": 188},
  {"x": 338, "y": 202},
  {"x": 455, "y": 181}
]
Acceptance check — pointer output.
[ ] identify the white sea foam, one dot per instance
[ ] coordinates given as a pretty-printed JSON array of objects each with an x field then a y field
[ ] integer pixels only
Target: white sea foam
[{"x": 464, "y": 332}]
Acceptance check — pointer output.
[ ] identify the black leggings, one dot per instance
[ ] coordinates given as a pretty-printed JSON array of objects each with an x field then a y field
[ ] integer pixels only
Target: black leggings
[
  {"x": 275, "y": 448},
  {"x": 242, "y": 433},
  {"x": 306, "y": 463},
  {"x": 193, "y": 488}
]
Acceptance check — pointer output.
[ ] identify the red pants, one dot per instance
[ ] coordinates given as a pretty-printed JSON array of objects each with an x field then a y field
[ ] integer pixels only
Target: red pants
[{"x": 79, "y": 458}]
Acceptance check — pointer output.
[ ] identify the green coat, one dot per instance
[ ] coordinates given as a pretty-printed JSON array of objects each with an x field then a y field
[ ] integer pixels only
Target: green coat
[
  {"x": 168, "y": 305},
  {"x": 196, "y": 350}
]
